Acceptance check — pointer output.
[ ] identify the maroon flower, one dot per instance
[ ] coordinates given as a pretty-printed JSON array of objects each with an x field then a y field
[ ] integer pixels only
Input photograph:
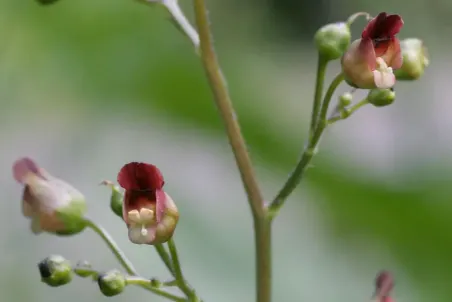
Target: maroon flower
[
  {"x": 149, "y": 212},
  {"x": 45, "y": 198},
  {"x": 384, "y": 284},
  {"x": 369, "y": 61}
]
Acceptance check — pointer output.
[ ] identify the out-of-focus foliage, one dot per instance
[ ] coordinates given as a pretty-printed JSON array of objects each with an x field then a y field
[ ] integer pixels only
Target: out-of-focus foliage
[{"x": 86, "y": 86}]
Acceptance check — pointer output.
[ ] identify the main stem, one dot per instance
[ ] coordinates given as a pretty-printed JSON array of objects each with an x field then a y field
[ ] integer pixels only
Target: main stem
[{"x": 237, "y": 142}]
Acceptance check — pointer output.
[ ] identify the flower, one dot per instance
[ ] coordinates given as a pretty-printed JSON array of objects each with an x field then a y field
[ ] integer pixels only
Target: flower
[
  {"x": 52, "y": 205},
  {"x": 369, "y": 62},
  {"x": 384, "y": 284},
  {"x": 149, "y": 212}
]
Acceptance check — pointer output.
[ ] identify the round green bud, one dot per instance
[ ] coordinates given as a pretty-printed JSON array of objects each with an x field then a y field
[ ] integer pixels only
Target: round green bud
[
  {"x": 156, "y": 283},
  {"x": 83, "y": 269},
  {"x": 345, "y": 99},
  {"x": 332, "y": 40},
  {"x": 381, "y": 97},
  {"x": 112, "y": 283},
  {"x": 415, "y": 60},
  {"x": 55, "y": 271}
]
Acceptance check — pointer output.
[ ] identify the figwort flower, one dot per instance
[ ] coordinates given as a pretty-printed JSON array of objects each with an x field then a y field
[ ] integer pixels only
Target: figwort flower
[
  {"x": 150, "y": 213},
  {"x": 52, "y": 205},
  {"x": 384, "y": 284},
  {"x": 369, "y": 62}
]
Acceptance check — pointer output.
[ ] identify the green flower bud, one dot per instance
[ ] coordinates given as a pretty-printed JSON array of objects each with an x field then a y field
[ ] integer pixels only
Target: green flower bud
[
  {"x": 55, "y": 271},
  {"x": 112, "y": 283},
  {"x": 83, "y": 269},
  {"x": 332, "y": 40},
  {"x": 156, "y": 283},
  {"x": 381, "y": 97},
  {"x": 116, "y": 198},
  {"x": 415, "y": 60},
  {"x": 345, "y": 100}
]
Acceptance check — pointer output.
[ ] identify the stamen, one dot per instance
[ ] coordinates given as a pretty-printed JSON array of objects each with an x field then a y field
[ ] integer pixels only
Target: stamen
[{"x": 134, "y": 216}]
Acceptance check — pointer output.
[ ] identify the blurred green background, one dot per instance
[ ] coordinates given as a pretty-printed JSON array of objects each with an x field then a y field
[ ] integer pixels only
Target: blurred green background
[{"x": 86, "y": 86}]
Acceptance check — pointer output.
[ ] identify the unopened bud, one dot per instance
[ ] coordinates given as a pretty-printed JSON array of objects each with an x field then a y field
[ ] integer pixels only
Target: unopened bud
[
  {"x": 112, "y": 283},
  {"x": 332, "y": 40},
  {"x": 55, "y": 271},
  {"x": 415, "y": 60},
  {"x": 156, "y": 283},
  {"x": 116, "y": 198},
  {"x": 345, "y": 100},
  {"x": 381, "y": 97},
  {"x": 83, "y": 269}
]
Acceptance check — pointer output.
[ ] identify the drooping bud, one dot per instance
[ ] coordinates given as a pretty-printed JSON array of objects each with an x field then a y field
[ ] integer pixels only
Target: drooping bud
[
  {"x": 332, "y": 40},
  {"x": 83, "y": 269},
  {"x": 52, "y": 205},
  {"x": 148, "y": 211},
  {"x": 55, "y": 271},
  {"x": 116, "y": 198},
  {"x": 112, "y": 283},
  {"x": 381, "y": 97},
  {"x": 415, "y": 60}
]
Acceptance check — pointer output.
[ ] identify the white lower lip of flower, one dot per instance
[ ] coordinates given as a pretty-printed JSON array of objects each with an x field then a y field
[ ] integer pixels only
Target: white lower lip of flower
[
  {"x": 383, "y": 75},
  {"x": 140, "y": 234},
  {"x": 140, "y": 225}
]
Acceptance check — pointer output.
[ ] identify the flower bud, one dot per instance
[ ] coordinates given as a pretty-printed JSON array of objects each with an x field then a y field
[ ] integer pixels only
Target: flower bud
[
  {"x": 52, "y": 205},
  {"x": 148, "y": 211},
  {"x": 332, "y": 40},
  {"x": 83, "y": 269},
  {"x": 116, "y": 198},
  {"x": 381, "y": 97},
  {"x": 112, "y": 283},
  {"x": 55, "y": 271},
  {"x": 415, "y": 60},
  {"x": 345, "y": 100}
]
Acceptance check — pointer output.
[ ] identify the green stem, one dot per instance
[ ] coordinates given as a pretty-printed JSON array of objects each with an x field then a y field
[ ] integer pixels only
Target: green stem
[
  {"x": 128, "y": 266},
  {"x": 296, "y": 176},
  {"x": 255, "y": 199},
  {"x": 263, "y": 245},
  {"x": 345, "y": 114},
  {"x": 166, "y": 258},
  {"x": 146, "y": 284},
  {"x": 228, "y": 115},
  {"x": 320, "y": 79},
  {"x": 178, "y": 271},
  {"x": 181, "y": 21}
]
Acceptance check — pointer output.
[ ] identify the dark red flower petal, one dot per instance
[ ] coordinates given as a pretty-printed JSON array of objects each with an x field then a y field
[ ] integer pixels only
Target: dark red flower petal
[
  {"x": 384, "y": 284},
  {"x": 383, "y": 26},
  {"x": 140, "y": 176},
  {"x": 24, "y": 166}
]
